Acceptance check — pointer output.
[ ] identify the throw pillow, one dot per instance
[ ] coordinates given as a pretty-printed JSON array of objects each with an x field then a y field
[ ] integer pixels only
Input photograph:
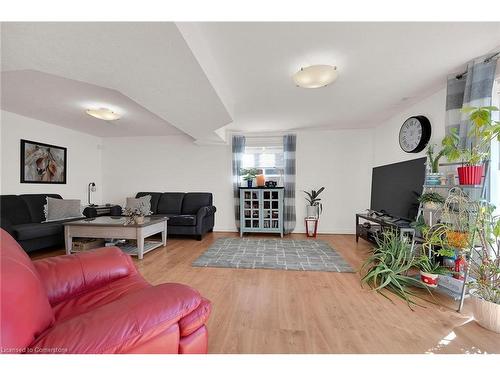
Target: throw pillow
[
  {"x": 142, "y": 203},
  {"x": 61, "y": 209}
]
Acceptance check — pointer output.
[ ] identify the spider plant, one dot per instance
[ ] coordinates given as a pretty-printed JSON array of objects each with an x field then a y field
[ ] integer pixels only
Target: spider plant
[{"x": 387, "y": 268}]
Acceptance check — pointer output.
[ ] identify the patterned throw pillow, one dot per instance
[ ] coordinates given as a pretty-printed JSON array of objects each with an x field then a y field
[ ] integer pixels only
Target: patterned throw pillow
[
  {"x": 142, "y": 203},
  {"x": 61, "y": 209}
]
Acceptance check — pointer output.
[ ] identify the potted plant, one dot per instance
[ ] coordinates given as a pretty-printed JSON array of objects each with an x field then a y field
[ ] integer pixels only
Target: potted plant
[
  {"x": 484, "y": 269},
  {"x": 314, "y": 207},
  {"x": 433, "y": 176},
  {"x": 430, "y": 269},
  {"x": 483, "y": 131},
  {"x": 432, "y": 200},
  {"x": 435, "y": 245},
  {"x": 388, "y": 267},
  {"x": 249, "y": 175},
  {"x": 458, "y": 214}
]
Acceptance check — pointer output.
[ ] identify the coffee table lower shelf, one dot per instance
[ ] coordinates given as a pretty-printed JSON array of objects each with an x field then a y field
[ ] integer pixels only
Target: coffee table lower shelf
[{"x": 133, "y": 250}]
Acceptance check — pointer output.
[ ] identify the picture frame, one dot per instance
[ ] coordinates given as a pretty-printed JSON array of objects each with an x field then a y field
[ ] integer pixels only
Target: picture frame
[{"x": 42, "y": 163}]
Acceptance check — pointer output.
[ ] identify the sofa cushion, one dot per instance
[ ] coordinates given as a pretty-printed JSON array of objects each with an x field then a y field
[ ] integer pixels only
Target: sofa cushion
[
  {"x": 155, "y": 197},
  {"x": 36, "y": 230},
  {"x": 14, "y": 209},
  {"x": 61, "y": 209},
  {"x": 170, "y": 203},
  {"x": 25, "y": 311},
  {"x": 182, "y": 220},
  {"x": 194, "y": 201},
  {"x": 36, "y": 203}
]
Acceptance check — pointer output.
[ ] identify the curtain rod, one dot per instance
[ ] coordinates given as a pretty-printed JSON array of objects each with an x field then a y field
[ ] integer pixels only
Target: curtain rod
[{"x": 486, "y": 60}]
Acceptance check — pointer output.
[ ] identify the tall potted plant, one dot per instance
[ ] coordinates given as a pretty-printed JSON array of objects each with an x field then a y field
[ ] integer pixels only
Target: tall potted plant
[
  {"x": 483, "y": 131},
  {"x": 484, "y": 269},
  {"x": 314, "y": 207}
]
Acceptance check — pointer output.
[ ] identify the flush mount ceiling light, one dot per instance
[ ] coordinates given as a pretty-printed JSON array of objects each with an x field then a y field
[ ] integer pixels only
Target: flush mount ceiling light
[
  {"x": 105, "y": 114},
  {"x": 315, "y": 76}
]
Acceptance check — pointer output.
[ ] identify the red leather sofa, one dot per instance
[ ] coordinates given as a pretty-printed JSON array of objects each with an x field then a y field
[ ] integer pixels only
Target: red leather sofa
[{"x": 93, "y": 302}]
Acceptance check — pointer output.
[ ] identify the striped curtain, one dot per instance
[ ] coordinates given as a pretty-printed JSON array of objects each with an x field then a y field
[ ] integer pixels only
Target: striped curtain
[
  {"x": 238, "y": 149},
  {"x": 289, "y": 147},
  {"x": 470, "y": 89}
]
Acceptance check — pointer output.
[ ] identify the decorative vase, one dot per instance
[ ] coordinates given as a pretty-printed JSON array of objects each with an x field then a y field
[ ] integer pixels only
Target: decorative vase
[
  {"x": 486, "y": 314},
  {"x": 429, "y": 279},
  {"x": 470, "y": 174},
  {"x": 139, "y": 219},
  {"x": 261, "y": 180},
  {"x": 312, "y": 211},
  {"x": 249, "y": 183}
]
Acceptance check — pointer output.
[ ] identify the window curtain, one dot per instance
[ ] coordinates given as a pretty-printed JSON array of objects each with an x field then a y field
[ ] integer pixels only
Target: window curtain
[
  {"x": 238, "y": 149},
  {"x": 473, "y": 88},
  {"x": 289, "y": 147}
]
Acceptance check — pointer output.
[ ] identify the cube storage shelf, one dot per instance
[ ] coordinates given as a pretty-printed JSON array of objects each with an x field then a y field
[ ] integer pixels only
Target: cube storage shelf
[{"x": 261, "y": 210}]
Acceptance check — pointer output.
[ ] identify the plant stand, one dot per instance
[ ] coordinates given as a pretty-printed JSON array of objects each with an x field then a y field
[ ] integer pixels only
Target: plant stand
[{"x": 311, "y": 226}]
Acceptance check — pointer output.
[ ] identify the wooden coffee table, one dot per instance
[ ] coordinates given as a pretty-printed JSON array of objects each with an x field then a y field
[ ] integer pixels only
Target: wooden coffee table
[{"x": 115, "y": 227}]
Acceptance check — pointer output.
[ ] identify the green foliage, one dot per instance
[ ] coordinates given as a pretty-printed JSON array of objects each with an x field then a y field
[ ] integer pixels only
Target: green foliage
[
  {"x": 483, "y": 131},
  {"x": 312, "y": 198},
  {"x": 484, "y": 262},
  {"x": 436, "y": 241},
  {"x": 431, "y": 197},
  {"x": 387, "y": 268},
  {"x": 419, "y": 225},
  {"x": 434, "y": 160},
  {"x": 249, "y": 174},
  {"x": 430, "y": 265}
]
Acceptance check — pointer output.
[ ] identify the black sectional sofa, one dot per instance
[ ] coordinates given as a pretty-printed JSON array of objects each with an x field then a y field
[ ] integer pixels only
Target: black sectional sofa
[
  {"x": 189, "y": 213},
  {"x": 22, "y": 216}
]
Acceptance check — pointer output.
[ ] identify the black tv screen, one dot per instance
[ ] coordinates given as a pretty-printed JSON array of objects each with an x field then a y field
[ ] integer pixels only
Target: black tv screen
[{"x": 396, "y": 188}]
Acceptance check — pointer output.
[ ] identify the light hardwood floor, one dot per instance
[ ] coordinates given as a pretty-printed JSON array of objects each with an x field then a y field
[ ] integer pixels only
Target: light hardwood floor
[{"x": 275, "y": 311}]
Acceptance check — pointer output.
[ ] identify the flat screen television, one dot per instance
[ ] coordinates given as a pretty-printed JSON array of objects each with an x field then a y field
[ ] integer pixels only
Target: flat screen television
[{"x": 396, "y": 188}]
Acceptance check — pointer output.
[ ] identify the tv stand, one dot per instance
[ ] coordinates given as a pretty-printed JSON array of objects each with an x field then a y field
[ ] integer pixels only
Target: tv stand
[{"x": 374, "y": 224}]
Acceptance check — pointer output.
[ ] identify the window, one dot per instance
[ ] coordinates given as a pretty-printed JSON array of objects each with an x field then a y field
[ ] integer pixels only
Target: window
[
  {"x": 265, "y": 154},
  {"x": 495, "y": 155}
]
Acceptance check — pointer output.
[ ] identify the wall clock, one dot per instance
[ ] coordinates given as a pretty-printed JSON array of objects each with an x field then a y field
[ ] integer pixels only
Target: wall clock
[{"x": 414, "y": 134}]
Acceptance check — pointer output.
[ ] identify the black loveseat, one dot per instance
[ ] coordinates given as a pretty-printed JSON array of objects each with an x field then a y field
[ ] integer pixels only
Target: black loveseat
[
  {"x": 22, "y": 216},
  {"x": 188, "y": 213}
]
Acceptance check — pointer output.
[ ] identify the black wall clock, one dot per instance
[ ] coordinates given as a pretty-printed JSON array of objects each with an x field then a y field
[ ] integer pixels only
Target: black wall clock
[{"x": 414, "y": 134}]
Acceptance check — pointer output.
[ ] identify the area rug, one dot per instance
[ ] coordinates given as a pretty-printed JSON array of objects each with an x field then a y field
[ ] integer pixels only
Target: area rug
[{"x": 276, "y": 254}]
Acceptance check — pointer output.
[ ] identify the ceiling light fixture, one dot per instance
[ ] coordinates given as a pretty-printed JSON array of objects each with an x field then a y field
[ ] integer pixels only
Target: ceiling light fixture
[
  {"x": 315, "y": 76},
  {"x": 105, "y": 114}
]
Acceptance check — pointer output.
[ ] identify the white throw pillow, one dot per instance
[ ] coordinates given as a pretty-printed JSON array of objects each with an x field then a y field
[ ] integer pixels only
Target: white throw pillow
[
  {"x": 142, "y": 203},
  {"x": 62, "y": 209}
]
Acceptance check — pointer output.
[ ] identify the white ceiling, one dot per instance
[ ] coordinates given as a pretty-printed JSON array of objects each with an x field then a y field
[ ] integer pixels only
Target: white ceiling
[
  {"x": 204, "y": 78},
  {"x": 383, "y": 68},
  {"x": 63, "y": 101},
  {"x": 148, "y": 62}
]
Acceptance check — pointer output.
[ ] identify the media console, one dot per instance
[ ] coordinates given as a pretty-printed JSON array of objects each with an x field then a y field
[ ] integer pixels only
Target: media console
[{"x": 375, "y": 223}]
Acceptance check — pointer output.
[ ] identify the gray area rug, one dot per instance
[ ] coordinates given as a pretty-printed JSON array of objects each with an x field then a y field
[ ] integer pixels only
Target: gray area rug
[{"x": 277, "y": 254}]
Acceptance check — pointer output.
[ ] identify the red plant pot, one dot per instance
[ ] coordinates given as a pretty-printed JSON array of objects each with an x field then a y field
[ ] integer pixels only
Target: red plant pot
[
  {"x": 470, "y": 175},
  {"x": 430, "y": 279}
]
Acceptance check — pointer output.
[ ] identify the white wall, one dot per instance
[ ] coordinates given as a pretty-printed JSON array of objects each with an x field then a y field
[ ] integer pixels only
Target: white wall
[
  {"x": 386, "y": 148},
  {"x": 341, "y": 161},
  {"x": 172, "y": 163},
  {"x": 83, "y": 165},
  {"x": 338, "y": 160}
]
